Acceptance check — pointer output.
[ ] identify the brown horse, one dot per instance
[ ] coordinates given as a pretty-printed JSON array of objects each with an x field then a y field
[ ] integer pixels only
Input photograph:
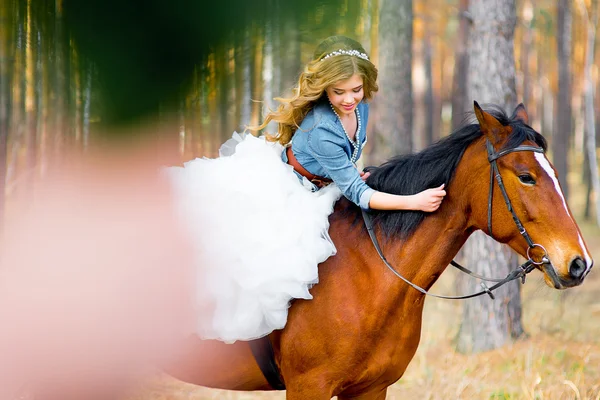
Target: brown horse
[{"x": 359, "y": 333}]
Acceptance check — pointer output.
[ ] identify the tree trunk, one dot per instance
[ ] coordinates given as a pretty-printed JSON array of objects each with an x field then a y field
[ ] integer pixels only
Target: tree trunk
[
  {"x": 587, "y": 181},
  {"x": 18, "y": 102},
  {"x": 460, "y": 103},
  {"x": 39, "y": 91},
  {"x": 87, "y": 102},
  {"x": 291, "y": 61},
  {"x": 393, "y": 130},
  {"x": 224, "y": 76},
  {"x": 525, "y": 51},
  {"x": 246, "y": 81},
  {"x": 486, "y": 323},
  {"x": 562, "y": 133},
  {"x": 366, "y": 8},
  {"x": 590, "y": 123},
  {"x": 267, "y": 76},
  {"x": 6, "y": 74},
  {"x": 60, "y": 80},
  {"x": 31, "y": 112},
  {"x": 429, "y": 102}
]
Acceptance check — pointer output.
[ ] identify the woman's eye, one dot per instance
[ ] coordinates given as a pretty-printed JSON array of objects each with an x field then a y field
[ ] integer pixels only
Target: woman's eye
[
  {"x": 339, "y": 93},
  {"x": 527, "y": 179},
  {"x": 357, "y": 90}
]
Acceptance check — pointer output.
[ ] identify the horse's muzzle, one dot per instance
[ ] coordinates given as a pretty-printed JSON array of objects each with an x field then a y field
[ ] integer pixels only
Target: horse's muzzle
[{"x": 578, "y": 269}]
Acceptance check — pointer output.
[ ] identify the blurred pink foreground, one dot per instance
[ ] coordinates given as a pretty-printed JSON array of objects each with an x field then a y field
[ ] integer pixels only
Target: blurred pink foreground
[{"x": 96, "y": 279}]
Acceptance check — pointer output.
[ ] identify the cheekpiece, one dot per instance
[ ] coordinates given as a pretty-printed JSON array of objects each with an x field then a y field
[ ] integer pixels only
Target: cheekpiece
[{"x": 340, "y": 52}]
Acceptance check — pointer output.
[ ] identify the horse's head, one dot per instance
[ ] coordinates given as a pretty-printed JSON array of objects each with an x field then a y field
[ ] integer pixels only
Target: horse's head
[{"x": 542, "y": 227}]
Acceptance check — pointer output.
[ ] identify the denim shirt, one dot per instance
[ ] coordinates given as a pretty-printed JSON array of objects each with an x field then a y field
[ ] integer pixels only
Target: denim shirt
[{"x": 322, "y": 148}]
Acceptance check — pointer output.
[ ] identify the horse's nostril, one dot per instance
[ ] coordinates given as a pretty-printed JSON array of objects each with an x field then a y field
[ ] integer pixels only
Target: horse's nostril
[{"x": 577, "y": 268}]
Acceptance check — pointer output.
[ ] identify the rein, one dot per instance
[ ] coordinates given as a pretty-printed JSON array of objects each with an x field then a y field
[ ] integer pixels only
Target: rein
[{"x": 520, "y": 272}]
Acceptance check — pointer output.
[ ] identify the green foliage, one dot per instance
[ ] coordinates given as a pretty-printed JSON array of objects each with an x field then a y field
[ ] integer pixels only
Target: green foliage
[
  {"x": 543, "y": 21},
  {"x": 146, "y": 51},
  {"x": 502, "y": 395}
]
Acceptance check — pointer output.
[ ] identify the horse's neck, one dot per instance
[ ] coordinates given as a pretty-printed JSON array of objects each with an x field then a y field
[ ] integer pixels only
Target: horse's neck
[
  {"x": 421, "y": 258},
  {"x": 424, "y": 255}
]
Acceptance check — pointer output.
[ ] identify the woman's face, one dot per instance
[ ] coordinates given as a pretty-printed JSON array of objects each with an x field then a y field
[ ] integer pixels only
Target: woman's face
[{"x": 345, "y": 95}]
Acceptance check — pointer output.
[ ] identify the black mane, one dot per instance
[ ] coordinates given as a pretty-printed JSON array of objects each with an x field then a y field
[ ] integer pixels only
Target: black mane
[{"x": 435, "y": 165}]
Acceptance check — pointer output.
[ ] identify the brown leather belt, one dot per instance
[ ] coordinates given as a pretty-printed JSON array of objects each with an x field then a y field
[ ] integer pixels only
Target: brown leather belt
[{"x": 318, "y": 181}]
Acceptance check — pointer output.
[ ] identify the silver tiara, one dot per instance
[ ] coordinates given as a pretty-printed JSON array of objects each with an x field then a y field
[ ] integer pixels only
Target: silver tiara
[{"x": 339, "y": 52}]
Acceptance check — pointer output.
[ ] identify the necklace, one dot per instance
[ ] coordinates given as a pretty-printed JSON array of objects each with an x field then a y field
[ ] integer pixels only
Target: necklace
[{"x": 355, "y": 144}]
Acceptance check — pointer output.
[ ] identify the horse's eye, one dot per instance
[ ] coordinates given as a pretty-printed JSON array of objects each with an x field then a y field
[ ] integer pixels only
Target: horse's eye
[{"x": 527, "y": 179}]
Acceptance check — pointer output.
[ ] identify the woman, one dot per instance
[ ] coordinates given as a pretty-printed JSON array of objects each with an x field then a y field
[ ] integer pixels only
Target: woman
[{"x": 260, "y": 224}]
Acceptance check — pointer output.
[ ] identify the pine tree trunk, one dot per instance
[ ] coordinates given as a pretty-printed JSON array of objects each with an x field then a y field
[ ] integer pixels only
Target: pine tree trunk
[
  {"x": 31, "y": 110},
  {"x": 87, "y": 102},
  {"x": 587, "y": 181},
  {"x": 291, "y": 61},
  {"x": 367, "y": 7},
  {"x": 486, "y": 323},
  {"x": 268, "y": 75},
  {"x": 39, "y": 92},
  {"x": 429, "y": 102},
  {"x": 6, "y": 74},
  {"x": 246, "y": 65},
  {"x": 525, "y": 51},
  {"x": 60, "y": 80},
  {"x": 590, "y": 123},
  {"x": 562, "y": 133},
  {"x": 224, "y": 94},
  {"x": 460, "y": 103},
  {"x": 393, "y": 130}
]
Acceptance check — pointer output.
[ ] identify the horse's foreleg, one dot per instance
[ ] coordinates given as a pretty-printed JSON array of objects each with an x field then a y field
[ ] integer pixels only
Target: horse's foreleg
[
  {"x": 308, "y": 387},
  {"x": 379, "y": 394}
]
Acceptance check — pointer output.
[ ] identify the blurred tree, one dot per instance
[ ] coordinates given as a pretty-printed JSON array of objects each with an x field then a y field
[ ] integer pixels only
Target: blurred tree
[
  {"x": 31, "y": 85},
  {"x": 429, "y": 101},
  {"x": 62, "y": 77},
  {"x": 243, "y": 73},
  {"x": 564, "y": 114},
  {"x": 394, "y": 105},
  {"x": 291, "y": 56},
  {"x": 460, "y": 102},
  {"x": 591, "y": 19},
  {"x": 526, "y": 50},
  {"x": 7, "y": 49},
  {"x": 486, "y": 323}
]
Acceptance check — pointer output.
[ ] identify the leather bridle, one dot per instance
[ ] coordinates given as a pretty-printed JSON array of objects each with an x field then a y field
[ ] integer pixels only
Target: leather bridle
[{"x": 521, "y": 271}]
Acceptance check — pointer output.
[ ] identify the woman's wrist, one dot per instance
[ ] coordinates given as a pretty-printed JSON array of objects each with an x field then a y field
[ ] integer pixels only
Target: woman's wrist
[
  {"x": 409, "y": 202},
  {"x": 387, "y": 201}
]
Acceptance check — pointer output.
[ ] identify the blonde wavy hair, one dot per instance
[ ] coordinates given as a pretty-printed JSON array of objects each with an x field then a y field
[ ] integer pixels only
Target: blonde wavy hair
[{"x": 317, "y": 76}]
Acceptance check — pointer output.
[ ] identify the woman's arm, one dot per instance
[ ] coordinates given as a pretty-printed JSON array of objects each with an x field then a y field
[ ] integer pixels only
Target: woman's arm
[
  {"x": 329, "y": 153},
  {"x": 428, "y": 200}
]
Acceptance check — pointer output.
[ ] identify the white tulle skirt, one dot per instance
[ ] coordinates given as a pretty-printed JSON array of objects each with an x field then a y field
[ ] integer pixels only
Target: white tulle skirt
[{"x": 260, "y": 235}]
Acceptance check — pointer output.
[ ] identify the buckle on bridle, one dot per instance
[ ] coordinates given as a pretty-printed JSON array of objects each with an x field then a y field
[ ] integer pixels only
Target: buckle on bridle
[
  {"x": 545, "y": 259},
  {"x": 525, "y": 269},
  {"x": 487, "y": 290}
]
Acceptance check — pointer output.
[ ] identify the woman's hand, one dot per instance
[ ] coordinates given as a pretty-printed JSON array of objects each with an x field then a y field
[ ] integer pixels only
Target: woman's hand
[
  {"x": 429, "y": 200},
  {"x": 364, "y": 175}
]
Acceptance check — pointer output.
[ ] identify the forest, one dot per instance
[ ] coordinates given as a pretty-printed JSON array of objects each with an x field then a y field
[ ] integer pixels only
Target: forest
[{"x": 60, "y": 94}]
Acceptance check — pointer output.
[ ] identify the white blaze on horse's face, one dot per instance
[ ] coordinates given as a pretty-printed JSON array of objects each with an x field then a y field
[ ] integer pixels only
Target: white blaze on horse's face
[{"x": 545, "y": 164}]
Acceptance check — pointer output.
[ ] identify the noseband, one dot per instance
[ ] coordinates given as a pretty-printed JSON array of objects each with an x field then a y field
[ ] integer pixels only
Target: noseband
[{"x": 519, "y": 272}]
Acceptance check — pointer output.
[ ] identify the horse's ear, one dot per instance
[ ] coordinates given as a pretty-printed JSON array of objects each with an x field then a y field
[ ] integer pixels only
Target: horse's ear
[
  {"x": 490, "y": 126},
  {"x": 521, "y": 114}
]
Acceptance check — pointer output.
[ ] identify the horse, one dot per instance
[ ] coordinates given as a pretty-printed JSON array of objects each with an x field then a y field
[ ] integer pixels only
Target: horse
[{"x": 359, "y": 333}]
